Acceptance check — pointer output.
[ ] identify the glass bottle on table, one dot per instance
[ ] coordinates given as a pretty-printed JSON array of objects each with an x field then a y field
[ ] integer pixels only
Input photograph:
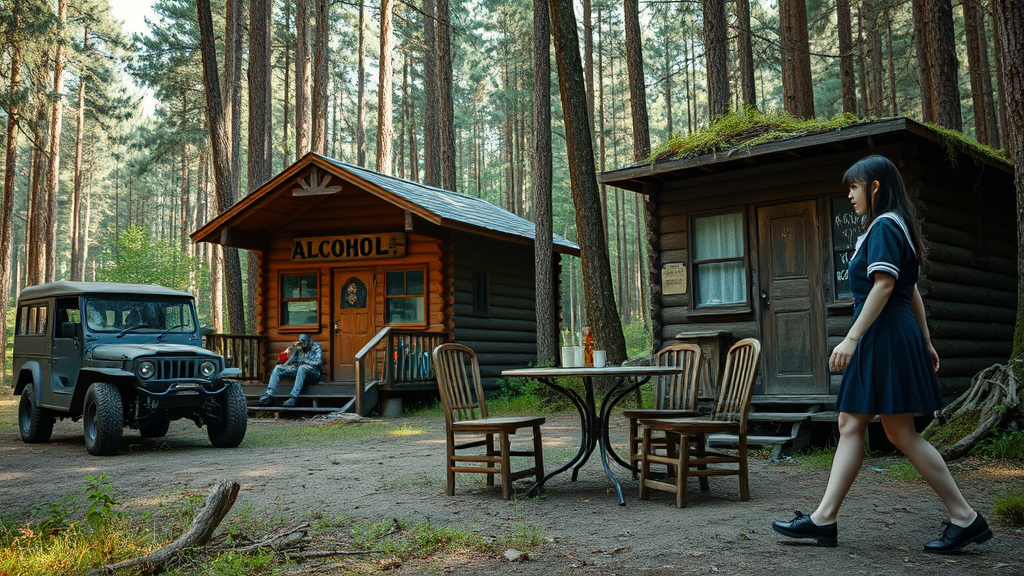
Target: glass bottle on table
[{"x": 588, "y": 347}]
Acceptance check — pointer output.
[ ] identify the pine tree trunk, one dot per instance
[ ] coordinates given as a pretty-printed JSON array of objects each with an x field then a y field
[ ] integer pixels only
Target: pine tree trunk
[
  {"x": 36, "y": 230},
  {"x": 985, "y": 129},
  {"x": 588, "y": 57},
  {"x": 303, "y": 65},
  {"x": 716, "y": 51},
  {"x": 321, "y": 76},
  {"x": 873, "y": 60},
  {"x": 845, "y": 28},
  {"x": 797, "y": 89},
  {"x": 445, "y": 108},
  {"x": 431, "y": 132},
  {"x": 77, "y": 263},
  {"x": 667, "y": 72},
  {"x": 221, "y": 165},
  {"x": 544, "y": 259},
  {"x": 637, "y": 84},
  {"x": 1009, "y": 17},
  {"x": 602, "y": 148},
  {"x": 7, "y": 205},
  {"x": 748, "y": 94},
  {"x": 385, "y": 89},
  {"x": 233, "y": 91},
  {"x": 597, "y": 281},
  {"x": 56, "y": 126},
  {"x": 260, "y": 152},
  {"x": 997, "y": 39},
  {"x": 991, "y": 116},
  {"x": 361, "y": 91},
  {"x": 893, "y": 104},
  {"x": 286, "y": 114},
  {"x": 936, "y": 59}
]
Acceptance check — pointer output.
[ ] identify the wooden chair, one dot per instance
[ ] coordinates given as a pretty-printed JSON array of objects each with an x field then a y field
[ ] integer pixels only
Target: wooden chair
[
  {"x": 465, "y": 413},
  {"x": 689, "y": 435},
  {"x": 674, "y": 396}
]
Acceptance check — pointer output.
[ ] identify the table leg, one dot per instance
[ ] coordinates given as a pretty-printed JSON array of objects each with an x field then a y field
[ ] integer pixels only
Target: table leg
[
  {"x": 585, "y": 420},
  {"x": 606, "y": 413},
  {"x": 591, "y": 428}
]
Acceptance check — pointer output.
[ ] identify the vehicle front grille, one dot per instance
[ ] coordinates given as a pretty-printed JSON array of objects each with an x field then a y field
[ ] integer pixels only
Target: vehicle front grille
[{"x": 176, "y": 369}]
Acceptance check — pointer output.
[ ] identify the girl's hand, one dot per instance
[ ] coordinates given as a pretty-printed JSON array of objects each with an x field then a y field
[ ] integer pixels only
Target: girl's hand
[
  {"x": 841, "y": 355},
  {"x": 934, "y": 355}
]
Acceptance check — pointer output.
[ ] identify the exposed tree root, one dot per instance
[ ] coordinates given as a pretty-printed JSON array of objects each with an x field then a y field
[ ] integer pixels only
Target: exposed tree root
[{"x": 992, "y": 400}]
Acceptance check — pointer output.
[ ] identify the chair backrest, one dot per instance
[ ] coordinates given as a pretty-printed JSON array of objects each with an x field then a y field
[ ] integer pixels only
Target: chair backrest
[
  {"x": 458, "y": 378},
  {"x": 678, "y": 391},
  {"x": 737, "y": 386}
]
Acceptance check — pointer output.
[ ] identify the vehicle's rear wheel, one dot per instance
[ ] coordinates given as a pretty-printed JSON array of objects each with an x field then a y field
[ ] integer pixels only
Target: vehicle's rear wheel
[
  {"x": 103, "y": 419},
  {"x": 35, "y": 422},
  {"x": 230, "y": 431},
  {"x": 154, "y": 428}
]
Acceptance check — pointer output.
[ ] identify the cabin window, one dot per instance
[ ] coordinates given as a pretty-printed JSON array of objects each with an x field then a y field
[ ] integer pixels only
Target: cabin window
[
  {"x": 719, "y": 261},
  {"x": 846, "y": 226},
  {"x": 405, "y": 297},
  {"x": 481, "y": 294},
  {"x": 300, "y": 297}
]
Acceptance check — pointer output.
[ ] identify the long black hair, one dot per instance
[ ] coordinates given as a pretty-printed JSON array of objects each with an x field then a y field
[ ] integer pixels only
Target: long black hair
[{"x": 891, "y": 195}]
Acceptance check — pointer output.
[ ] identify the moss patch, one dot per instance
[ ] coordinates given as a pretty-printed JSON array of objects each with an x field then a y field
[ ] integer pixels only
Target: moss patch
[
  {"x": 956, "y": 428},
  {"x": 1009, "y": 509},
  {"x": 954, "y": 142},
  {"x": 744, "y": 129}
]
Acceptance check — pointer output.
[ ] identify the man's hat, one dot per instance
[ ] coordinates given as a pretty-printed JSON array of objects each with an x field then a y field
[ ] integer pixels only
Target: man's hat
[{"x": 303, "y": 338}]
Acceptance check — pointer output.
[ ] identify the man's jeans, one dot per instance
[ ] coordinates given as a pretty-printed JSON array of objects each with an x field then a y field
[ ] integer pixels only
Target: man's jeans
[{"x": 301, "y": 374}]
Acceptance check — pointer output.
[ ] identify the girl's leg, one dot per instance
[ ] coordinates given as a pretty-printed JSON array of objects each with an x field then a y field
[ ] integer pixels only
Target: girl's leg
[
  {"x": 845, "y": 465},
  {"x": 929, "y": 463}
]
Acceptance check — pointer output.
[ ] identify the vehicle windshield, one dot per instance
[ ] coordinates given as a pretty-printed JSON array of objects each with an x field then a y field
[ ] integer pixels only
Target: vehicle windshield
[{"x": 121, "y": 314}]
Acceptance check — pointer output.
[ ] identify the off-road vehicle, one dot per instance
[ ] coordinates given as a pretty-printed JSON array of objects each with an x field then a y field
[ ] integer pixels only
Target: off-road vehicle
[{"x": 117, "y": 355}]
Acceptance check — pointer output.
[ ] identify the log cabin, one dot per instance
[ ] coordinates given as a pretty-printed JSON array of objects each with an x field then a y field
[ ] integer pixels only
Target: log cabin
[
  {"x": 379, "y": 270},
  {"x": 754, "y": 242}
]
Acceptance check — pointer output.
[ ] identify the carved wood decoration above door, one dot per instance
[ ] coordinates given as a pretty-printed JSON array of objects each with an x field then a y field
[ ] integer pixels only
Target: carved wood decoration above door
[{"x": 314, "y": 186}]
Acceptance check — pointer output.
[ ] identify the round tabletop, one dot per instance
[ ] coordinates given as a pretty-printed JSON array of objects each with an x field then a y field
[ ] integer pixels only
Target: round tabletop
[{"x": 590, "y": 371}]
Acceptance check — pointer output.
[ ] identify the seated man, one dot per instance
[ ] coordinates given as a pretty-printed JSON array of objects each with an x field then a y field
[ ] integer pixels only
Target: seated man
[{"x": 305, "y": 364}]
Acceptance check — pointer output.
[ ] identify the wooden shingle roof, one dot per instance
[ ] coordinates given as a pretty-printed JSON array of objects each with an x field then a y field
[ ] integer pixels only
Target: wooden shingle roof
[{"x": 439, "y": 207}]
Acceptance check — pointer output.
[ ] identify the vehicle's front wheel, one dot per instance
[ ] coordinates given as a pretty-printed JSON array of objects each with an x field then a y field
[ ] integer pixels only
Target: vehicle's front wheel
[
  {"x": 35, "y": 422},
  {"x": 103, "y": 419},
  {"x": 229, "y": 431},
  {"x": 154, "y": 428}
]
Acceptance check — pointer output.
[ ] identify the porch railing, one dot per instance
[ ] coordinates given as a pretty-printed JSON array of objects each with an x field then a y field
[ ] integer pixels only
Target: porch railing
[
  {"x": 243, "y": 351},
  {"x": 395, "y": 358}
]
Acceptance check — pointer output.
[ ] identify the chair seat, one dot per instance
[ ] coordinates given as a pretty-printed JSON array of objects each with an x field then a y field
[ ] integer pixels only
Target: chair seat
[
  {"x": 490, "y": 424},
  {"x": 691, "y": 425},
  {"x": 653, "y": 413}
]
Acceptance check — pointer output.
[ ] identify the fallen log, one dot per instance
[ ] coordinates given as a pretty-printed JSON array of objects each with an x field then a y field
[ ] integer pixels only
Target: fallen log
[
  {"x": 218, "y": 502},
  {"x": 992, "y": 399}
]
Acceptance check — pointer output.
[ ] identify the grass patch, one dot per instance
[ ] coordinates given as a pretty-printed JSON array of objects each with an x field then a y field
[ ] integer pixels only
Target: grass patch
[
  {"x": 270, "y": 436},
  {"x": 1009, "y": 509},
  {"x": 904, "y": 471},
  {"x": 422, "y": 479},
  {"x": 814, "y": 459},
  {"x": 1008, "y": 445}
]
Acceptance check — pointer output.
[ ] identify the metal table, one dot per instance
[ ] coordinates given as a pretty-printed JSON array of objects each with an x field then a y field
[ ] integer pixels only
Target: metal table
[{"x": 593, "y": 422}]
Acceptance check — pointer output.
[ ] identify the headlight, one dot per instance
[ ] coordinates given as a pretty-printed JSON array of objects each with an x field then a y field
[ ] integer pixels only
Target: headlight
[
  {"x": 206, "y": 369},
  {"x": 146, "y": 369}
]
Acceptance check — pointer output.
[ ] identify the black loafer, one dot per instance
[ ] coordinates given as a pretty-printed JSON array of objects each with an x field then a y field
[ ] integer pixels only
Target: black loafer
[
  {"x": 802, "y": 527},
  {"x": 266, "y": 400},
  {"x": 290, "y": 402},
  {"x": 953, "y": 537}
]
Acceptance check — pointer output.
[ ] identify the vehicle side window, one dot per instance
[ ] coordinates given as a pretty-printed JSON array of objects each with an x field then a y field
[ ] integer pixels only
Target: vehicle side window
[
  {"x": 32, "y": 320},
  {"x": 22, "y": 320},
  {"x": 66, "y": 311}
]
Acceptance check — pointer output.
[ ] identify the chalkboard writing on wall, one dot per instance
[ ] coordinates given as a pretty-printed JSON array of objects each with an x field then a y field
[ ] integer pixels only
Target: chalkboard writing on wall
[{"x": 845, "y": 229}]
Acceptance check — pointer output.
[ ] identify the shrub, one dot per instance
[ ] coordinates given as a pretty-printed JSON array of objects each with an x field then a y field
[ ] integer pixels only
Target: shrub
[
  {"x": 1006, "y": 445},
  {"x": 1009, "y": 509}
]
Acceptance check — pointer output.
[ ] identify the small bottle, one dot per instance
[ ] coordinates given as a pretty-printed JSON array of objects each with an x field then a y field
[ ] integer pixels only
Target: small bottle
[{"x": 588, "y": 347}]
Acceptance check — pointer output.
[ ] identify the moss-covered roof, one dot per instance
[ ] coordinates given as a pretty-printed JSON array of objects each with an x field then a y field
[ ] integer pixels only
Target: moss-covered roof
[{"x": 747, "y": 128}]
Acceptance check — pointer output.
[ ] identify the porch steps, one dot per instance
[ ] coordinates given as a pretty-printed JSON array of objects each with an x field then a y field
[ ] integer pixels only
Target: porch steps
[
  {"x": 787, "y": 417},
  {"x": 320, "y": 398}
]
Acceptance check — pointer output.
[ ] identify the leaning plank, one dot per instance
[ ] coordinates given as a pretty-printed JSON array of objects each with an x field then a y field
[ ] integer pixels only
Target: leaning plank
[{"x": 218, "y": 503}]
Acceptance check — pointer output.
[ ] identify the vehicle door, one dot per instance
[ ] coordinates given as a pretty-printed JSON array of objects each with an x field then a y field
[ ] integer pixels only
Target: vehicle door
[{"x": 66, "y": 357}]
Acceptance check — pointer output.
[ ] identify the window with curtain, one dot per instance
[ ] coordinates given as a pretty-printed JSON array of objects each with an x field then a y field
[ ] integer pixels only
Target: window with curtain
[{"x": 718, "y": 260}]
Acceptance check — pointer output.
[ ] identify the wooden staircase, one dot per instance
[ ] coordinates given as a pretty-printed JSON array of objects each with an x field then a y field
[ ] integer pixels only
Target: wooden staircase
[
  {"x": 320, "y": 398},
  {"x": 784, "y": 422}
]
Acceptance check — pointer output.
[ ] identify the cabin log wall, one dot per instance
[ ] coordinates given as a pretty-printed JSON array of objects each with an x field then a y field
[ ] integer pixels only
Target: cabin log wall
[{"x": 507, "y": 336}]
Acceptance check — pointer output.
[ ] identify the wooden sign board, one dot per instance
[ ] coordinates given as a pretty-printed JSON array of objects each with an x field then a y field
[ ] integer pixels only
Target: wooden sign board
[
  {"x": 673, "y": 279},
  {"x": 357, "y": 247}
]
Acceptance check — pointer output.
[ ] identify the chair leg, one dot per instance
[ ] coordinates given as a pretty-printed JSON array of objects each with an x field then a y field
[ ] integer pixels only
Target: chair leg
[
  {"x": 634, "y": 442},
  {"x": 645, "y": 464},
  {"x": 700, "y": 449},
  {"x": 490, "y": 452},
  {"x": 538, "y": 453},
  {"x": 449, "y": 464},
  {"x": 506, "y": 467},
  {"x": 671, "y": 439},
  {"x": 744, "y": 480},
  {"x": 682, "y": 470}
]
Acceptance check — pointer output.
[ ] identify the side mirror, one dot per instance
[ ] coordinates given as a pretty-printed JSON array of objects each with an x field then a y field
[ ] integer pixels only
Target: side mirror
[{"x": 69, "y": 329}]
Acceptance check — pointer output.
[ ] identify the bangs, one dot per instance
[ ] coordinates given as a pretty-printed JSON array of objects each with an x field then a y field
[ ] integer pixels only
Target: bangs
[{"x": 856, "y": 173}]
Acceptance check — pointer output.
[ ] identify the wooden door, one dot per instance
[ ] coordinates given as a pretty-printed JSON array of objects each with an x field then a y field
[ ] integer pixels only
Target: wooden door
[
  {"x": 792, "y": 318},
  {"x": 352, "y": 319}
]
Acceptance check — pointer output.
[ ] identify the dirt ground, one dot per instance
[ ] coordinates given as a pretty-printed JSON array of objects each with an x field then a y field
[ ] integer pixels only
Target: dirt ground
[{"x": 383, "y": 469}]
